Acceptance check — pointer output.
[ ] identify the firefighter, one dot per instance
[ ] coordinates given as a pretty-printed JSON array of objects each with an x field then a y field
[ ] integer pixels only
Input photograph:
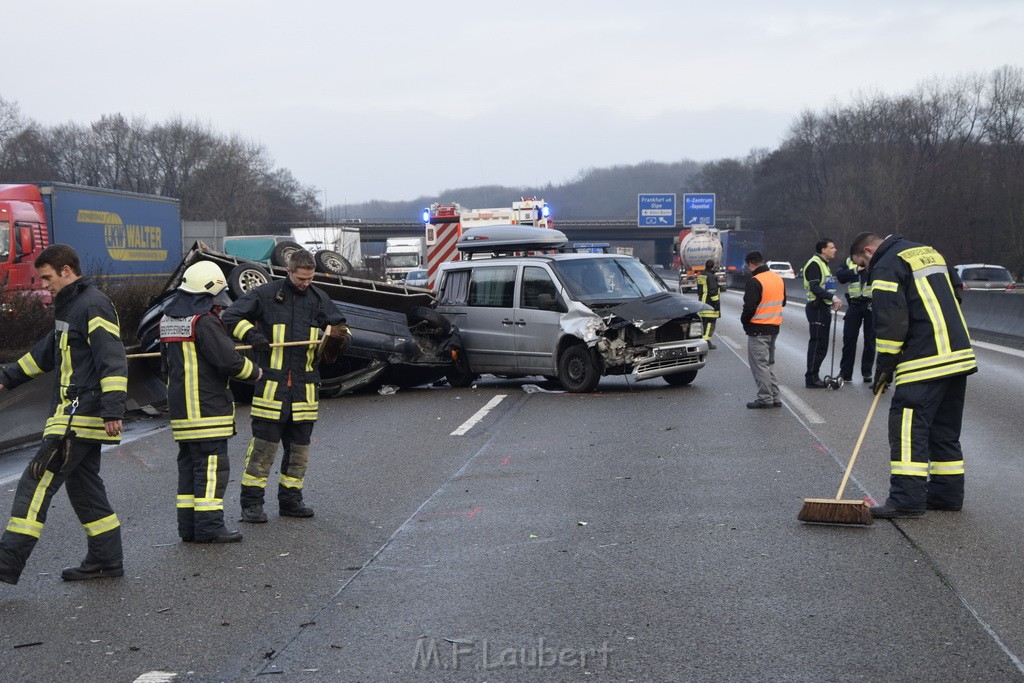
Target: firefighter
[
  {"x": 88, "y": 362},
  {"x": 709, "y": 293},
  {"x": 285, "y": 403},
  {"x": 858, "y": 313},
  {"x": 924, "y": 349},
  {"x": 199, "y": 358},
  {"x": 822, "y": 302}
]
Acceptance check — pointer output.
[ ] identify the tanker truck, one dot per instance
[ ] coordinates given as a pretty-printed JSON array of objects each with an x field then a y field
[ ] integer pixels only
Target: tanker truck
[{"x": 693, "y": 248}]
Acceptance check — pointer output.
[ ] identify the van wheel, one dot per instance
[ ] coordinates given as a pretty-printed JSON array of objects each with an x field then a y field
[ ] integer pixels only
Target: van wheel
[
  {"x": 247, "y": 277},
  {"x": 577, "y": 371},
  {"x": 332, "y": 262},
  {"x": 283, "y": 251},
  {"x": 680, "y": 379}
]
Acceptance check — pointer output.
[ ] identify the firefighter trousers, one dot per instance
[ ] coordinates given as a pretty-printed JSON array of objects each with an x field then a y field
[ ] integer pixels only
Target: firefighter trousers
[
  {"x": 927, "y": 464},
  {"x": 858, "y": 314},
  {"x": 203, "y": 471},
  {"x": 88, "y": 498},
  {"x": 295, "y": 437}
]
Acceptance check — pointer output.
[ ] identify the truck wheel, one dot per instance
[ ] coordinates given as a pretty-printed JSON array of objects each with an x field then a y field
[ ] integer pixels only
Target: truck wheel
[
  {"x": 577, "y": 371},
  {"x": 282, "y": 251},
  {"x": 332, "y": 262},
  {"x": 247, "y": 277},
  {"x": 680, "y": 379}
]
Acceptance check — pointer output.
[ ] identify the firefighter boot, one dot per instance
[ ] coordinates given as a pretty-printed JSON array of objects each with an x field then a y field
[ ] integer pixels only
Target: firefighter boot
[
  {"x": 254, "y": 479},
  {"x": 186, "y": 524},
  {"x": 103, "y": 558},
  {"x": 289, "y": 489}
]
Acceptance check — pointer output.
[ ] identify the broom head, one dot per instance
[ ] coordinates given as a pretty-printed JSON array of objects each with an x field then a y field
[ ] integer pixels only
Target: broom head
[{"x": 835, "y": 511}]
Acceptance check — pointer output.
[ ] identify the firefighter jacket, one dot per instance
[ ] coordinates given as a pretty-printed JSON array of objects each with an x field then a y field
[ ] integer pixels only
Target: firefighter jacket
[
  {"x": 199, "y": 358},
  {"x": 858, "y": 288},
  {"x": 280, "y": 312},
  {"x": 819, "y": 283},
  {"x": 920, "y": 332},
  {"x": 87, "y": 358},
  {"x": 763, "y": 299},
  {"x": 709, "y": 292}
]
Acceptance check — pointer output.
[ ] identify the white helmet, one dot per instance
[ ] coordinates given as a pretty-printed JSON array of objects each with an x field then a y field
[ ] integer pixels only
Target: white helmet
[{"x": 204, "y": 277}]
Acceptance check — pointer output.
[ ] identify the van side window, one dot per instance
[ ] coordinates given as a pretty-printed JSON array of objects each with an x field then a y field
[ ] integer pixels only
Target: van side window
[
  {"x": 454, "y": 288},
  {"x": 492, "y": 287},
  {"x": 536, "y": 281}
]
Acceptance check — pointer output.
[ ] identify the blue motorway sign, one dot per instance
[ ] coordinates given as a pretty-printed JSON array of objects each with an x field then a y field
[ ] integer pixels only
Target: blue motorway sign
[
  {"x": 699, "y": 209},
  {"x": 656, "y": 210}
]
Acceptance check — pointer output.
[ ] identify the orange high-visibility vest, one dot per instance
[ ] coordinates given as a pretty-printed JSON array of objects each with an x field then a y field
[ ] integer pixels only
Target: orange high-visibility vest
[{"x": 773, "y": 292}]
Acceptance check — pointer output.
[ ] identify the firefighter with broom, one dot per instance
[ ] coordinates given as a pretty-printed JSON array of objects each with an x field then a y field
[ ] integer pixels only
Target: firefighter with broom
[{"x": 924, "y": 349}]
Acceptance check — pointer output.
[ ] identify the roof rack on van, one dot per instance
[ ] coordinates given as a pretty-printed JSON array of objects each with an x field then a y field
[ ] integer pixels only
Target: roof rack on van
[{"x": 507, "y": 239}]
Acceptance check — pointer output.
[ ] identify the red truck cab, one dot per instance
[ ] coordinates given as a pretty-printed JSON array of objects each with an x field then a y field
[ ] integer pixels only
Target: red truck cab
[{"x": 23, "y": 236}]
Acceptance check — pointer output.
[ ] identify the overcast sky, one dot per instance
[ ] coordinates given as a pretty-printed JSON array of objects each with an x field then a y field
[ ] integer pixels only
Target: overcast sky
[{"x": 393, "y": 100}]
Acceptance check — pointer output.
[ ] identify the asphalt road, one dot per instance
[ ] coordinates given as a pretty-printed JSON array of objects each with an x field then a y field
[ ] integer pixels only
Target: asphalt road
[{"x": 643, "y": 532}]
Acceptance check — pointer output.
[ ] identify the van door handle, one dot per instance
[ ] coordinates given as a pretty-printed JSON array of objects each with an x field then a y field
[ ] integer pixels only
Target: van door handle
[
  {"x": 506, "y": 322},
  {"x": 521, "y": 322}
]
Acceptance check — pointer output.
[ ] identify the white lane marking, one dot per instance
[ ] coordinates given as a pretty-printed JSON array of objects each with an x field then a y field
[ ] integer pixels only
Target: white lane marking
[
  {"x": 728, "y": 340},
  {"x": 156, "y": 677},
  {"x": 480, "y": 414},
  {"x": 796, "y": 402},
  {"x": 1000, "y": 349}
]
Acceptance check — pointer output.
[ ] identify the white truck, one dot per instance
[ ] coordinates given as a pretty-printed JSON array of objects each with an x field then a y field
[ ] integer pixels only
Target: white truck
[
  {"x": 344, "y": 240},
  {"x": 695, "y": 247},
  {"x": 401, "y": 255}
]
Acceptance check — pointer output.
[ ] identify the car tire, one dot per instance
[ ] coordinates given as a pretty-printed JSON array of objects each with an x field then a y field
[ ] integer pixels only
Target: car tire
[
  {"x": 332, "y": 263},
  {"x": 460, "y": 375},
  {"x": 680, "y": 379},
  {"x": 247, "y": 277},
  {"x": 577, "y": 370},
  {"x": 283, "y": 251}
]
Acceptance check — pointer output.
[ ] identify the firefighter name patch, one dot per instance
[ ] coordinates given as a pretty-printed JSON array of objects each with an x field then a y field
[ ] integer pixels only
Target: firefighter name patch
[{"x": 177, "y": 329}]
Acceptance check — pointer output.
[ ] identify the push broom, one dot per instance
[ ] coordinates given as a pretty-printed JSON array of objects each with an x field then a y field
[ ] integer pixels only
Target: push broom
[
  {"x": 248, "y": 347},
  {"x": 835, "y": 510}
]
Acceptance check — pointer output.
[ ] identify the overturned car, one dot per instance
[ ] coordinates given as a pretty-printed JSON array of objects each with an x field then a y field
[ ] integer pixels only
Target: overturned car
[
  {"x": 572, "y": 318},
  {"x": 396, "y": 339}
]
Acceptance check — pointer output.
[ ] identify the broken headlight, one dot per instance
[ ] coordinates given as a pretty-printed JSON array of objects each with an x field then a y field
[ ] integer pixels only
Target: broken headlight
[{"x": 695, "y": 330}]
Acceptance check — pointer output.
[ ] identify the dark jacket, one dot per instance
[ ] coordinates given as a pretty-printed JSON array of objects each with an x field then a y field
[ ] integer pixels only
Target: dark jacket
[
  {"x": 88, "y": 362},
  {"x": 708, "y": 290},
  {"x": 199, "y": 358},
  {"x": 753, "y": 293},
  {"x": 919, "y": 328},
  {"x": 280, "y": 312}
]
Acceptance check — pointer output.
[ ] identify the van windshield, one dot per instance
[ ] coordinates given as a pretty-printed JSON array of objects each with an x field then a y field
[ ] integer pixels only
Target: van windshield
[
  {"x": 5, "y": 240},
  {"x": 607, "y": 279}
]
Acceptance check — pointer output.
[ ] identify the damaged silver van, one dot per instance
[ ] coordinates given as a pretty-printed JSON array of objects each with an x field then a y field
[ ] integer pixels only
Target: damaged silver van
[{"x": 569, "y": 317}]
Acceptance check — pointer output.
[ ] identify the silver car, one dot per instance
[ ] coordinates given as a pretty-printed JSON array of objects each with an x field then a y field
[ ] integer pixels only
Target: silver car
[
  {"x": 416, "y": 278},
  {"x": 569, "y": 317}
]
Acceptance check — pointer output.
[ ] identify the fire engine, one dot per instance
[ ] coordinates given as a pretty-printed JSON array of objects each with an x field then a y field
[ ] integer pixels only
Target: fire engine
[{"x": 445, "y": 222}]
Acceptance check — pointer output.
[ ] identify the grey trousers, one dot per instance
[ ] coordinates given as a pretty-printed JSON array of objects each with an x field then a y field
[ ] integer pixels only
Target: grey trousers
[{"x": 761, "y": 355}]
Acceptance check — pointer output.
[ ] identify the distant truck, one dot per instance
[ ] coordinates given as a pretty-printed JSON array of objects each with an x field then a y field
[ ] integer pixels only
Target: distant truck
[
  {"x": 116, "y": 234},
  {"x": 401, "y": 255},
  {"x": 735, "y": 246},
  {"x": 694, "y": 248}
]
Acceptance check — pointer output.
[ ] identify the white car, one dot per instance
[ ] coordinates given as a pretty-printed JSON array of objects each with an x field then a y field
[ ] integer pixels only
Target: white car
[
  {"x": 783, "y": 269},
  {"x": 985, "y": 277},
  {"x": 416, "y": 278}
]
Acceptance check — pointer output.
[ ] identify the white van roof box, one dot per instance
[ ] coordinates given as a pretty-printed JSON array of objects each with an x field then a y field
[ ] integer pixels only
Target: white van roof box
[{"x": 502, "y": 239}]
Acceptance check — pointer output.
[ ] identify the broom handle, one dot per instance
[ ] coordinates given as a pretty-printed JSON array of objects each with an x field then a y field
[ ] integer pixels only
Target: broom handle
[
  {"x": 247, "y": 347},
  {"x": 860, "y": 440}
]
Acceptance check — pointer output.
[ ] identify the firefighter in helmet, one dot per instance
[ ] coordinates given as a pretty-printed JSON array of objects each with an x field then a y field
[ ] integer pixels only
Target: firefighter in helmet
[{"x": 199, "y": 358}]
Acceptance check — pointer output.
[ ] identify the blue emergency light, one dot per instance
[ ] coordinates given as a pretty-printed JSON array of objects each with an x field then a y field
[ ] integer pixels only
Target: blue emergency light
[
  {"x": 426, "y": 215},
  {"x": 546, "y": 211}
]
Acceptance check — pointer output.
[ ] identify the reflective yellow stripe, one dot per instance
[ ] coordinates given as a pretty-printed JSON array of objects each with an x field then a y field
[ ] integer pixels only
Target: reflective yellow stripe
[
  {"x": 102, "y": 323},
  {"x": 213, "y": 421},
  {"x": 241, "y": 329},
  {"x": 934, "y": 309},
  {"x": 884, "y": 286},
  {"x": 888, "y": 345},
  {"x": 947, "y": 467},
  {"x": 290, "y": 482},
  {"x": 905, "y": 435},
  {"x": 936, "y": 372},
  {"x": 248, "y": 369},
  {"x": 85, "y": 426},
  {"x": 209, "y": 504},
  {"x": 314, "y": 335},
  {"x": 209, "y": 434},
  {"x": 211, "y": 476},
  {"x": 65, "y": 367},
  {"x": 114, "y": 383},
  {"x": 277, "y": 353},
  {"x": 909, "y": 469},
  {"x": 918, "y": 363},
  {"x": 101, "y": 526},
  {"x": 26, "y": 527},
  {"x": 186, "y": 501},
  {"x": 190, "y": 360},
  {"x": 250, "y": 480},
  {"x": 28, "y": 365}
]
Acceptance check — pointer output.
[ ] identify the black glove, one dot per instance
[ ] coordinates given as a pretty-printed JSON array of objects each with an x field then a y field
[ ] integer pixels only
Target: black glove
[
  {"x": 51, "y": 452},
  {"x": 881, "y": 383},
  {"x": 259, "y": 343}
]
